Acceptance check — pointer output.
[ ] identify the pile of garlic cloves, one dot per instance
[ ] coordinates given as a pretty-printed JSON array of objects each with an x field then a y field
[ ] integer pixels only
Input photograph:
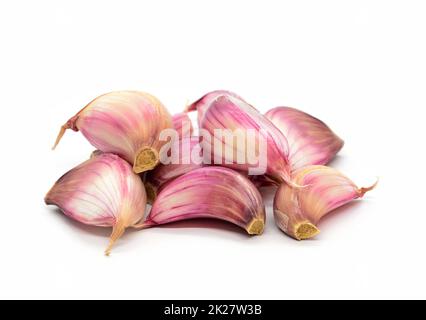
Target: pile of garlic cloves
[{"x": 126, "y": 172}]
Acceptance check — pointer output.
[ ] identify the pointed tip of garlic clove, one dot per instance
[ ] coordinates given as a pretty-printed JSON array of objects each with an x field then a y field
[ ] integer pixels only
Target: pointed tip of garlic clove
[
  {"x": 117, "y": 231},
  {"x": 146, "y": 159},
  {"x": 305, "y": 230},
  {"x": 256, "y": 227},
  {"x": 70, "y": 124},
  {"x": 60, "y": 135},
  {"x": 362, "y": 191}
]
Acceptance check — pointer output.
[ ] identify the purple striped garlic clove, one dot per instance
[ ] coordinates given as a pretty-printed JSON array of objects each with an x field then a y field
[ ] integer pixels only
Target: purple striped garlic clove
[
  {"x": 204, "y": 102},
  {"x": 182, "y": 124},
  {"x": 102, "y": 191},
  {"x": 127, "y": 123},
  {"x": 209, "y": 192},
  {"x": 187, "y": 158},
  {"x": 298, "y": 211},
  {"x": 229, "y": 113},
  {"x": 310, "y": 140}
]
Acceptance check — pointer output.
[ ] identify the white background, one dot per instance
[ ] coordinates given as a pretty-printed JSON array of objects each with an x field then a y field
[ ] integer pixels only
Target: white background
[{"x": 358, "y": 65}]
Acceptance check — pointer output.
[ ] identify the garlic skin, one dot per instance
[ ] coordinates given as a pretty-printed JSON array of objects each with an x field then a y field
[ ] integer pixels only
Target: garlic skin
[
  {"x": 127, "y": 123},
  {"x": 310, "y": 140},
  {"x": 182, "y": 124},
  {"x": 229, "y": 113},
  {"x": 102, "y": 191},
  {"x": 204, "y": 102},
  {"x": 298, "y": 211},
  {"x": 185, "y": 163},
  {"x": 209, "y": 192}
]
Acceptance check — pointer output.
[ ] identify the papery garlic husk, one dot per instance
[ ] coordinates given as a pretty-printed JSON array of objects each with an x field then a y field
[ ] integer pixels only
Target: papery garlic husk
[
  {"x": 204, "y": 102},
  {"x": 187, "y": 151},
  {"x": 127, "y": 123},
  {"x": 209, "y": 192},
  {"x": 311, "y": 141},
  {"x": 230, "y": 113},
  {"x": 298, "y": 211},
  {"x": 182, "y": 124},
  {"x": 103, "y": 191}
]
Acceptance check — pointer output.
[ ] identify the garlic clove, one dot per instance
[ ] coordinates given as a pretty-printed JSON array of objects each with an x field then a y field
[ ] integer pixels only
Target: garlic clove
[
  {"x": 127, "y": 123},
  {"x": 267, "y": 142},
  {"x": 298, "y": 211},
  {"x": 102, "y": 191},
  {"x": 310, "y": 140},
  {"x": 209, "y": 192},
  {"x": 185, "y": 156},
  {"x": 182, "y": 124},
  {"x": 204, "y": 102}
]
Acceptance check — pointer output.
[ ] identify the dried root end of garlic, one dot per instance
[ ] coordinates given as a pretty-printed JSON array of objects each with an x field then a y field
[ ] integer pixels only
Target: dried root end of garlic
[
  {"x": 256, "y": 226},
  {"x": 305, "y": 230},
  {"x": 146, "y": 159}
]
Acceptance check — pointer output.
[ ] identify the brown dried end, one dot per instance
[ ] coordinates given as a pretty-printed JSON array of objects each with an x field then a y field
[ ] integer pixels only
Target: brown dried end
[
  {"x": 146, "y": 159},
  {"x": 255, "y": 226},
  {"x": 306, "y": 230}
]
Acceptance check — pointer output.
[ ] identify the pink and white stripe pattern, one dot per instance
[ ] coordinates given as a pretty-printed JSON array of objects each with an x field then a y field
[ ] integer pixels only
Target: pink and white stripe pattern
[
  {"x": 185, "y": 162},
  {"x": 310, "y": 141},
  {"x": 102, "y": 191},
  {"x": 229, "y": 113},
  {"x": 209, "y": 192},
  {"x": 122, "y": 122},
  {"x": 204, "y": 102},
  {"x": 182, "y": 124}
]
